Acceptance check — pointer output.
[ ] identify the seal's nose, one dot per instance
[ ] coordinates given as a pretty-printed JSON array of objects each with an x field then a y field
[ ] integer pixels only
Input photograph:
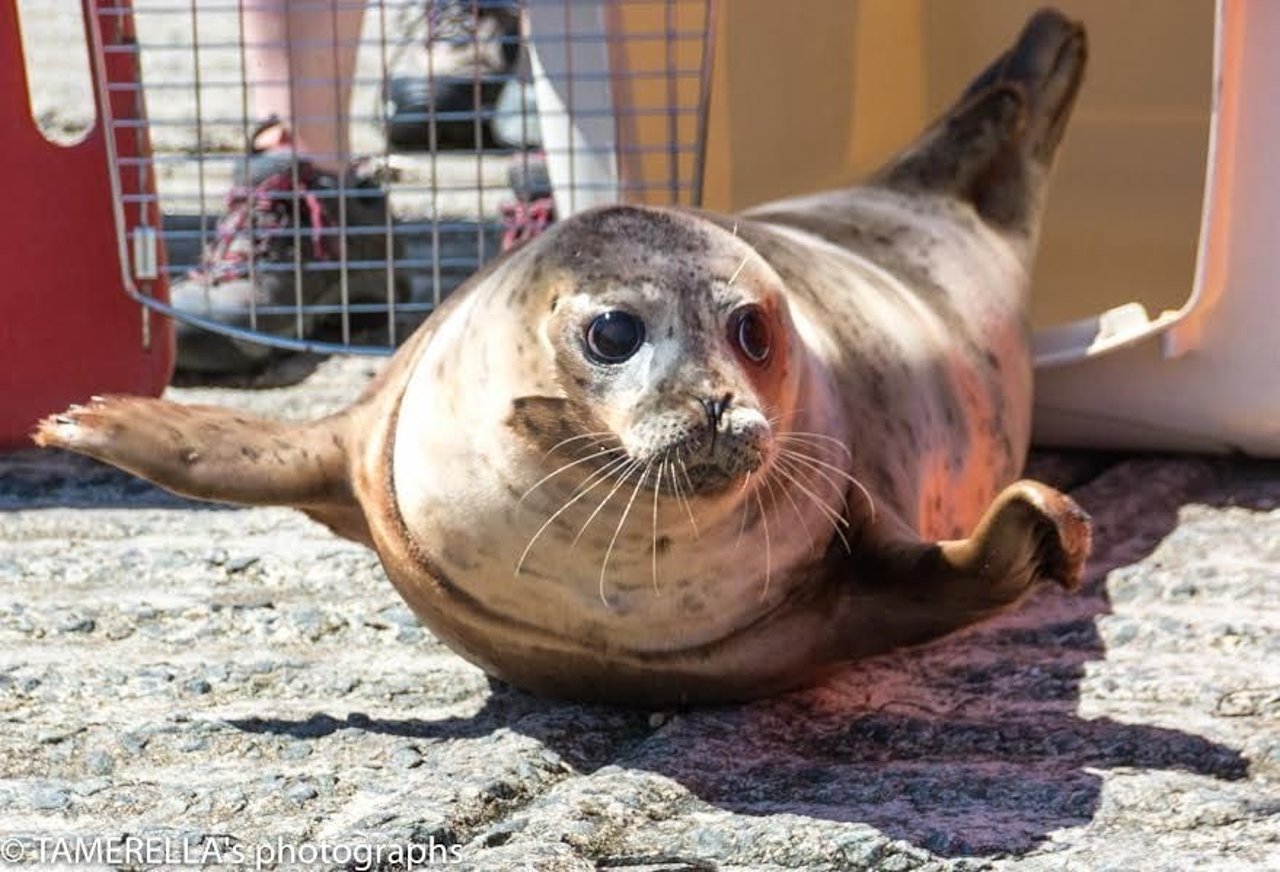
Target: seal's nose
[
  {"x": 716, "y": 409},
  {"x": 715, "y": 414}
]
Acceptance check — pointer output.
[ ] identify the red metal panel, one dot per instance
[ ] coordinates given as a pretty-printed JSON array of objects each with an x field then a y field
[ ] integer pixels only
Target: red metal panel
[{"x": 68, "y": 329}]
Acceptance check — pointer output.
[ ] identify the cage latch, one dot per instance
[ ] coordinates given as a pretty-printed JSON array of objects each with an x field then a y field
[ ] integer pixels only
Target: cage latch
[{"x": 144, "y": 253}]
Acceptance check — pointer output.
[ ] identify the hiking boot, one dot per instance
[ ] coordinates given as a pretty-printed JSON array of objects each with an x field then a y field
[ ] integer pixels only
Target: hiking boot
[
  {"x": 278, "y": 254},
  {"x": 471, "y": 54},
  {"x": 528, "y": 176},
  {"x": 534, "y": 209}
]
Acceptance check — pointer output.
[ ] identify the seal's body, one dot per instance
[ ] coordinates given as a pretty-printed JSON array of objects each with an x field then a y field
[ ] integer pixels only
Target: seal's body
[{"x": 662, "y": 455}]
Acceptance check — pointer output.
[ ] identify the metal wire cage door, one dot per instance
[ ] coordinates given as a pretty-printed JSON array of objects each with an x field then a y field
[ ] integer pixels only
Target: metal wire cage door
[{"x": 328, "y": 170}]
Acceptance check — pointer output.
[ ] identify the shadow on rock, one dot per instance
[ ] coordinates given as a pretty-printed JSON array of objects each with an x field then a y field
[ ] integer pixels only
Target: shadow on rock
[
  {"x": 44, "y": 478},
  {"x": 969, "y": 747},
  {"x": 280, "y": 370},
  {"x": 586, "y": 736}
]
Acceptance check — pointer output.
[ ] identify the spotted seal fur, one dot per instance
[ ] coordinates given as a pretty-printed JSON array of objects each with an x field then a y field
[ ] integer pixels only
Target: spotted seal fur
[{"x": 663, "y": 455}]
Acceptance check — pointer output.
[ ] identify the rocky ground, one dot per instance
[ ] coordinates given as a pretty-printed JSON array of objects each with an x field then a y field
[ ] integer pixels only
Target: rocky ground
[{"x": 219, "y": 677}]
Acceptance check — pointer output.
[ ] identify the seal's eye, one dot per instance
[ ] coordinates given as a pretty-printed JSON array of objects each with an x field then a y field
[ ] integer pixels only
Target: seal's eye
[
  {"x": 614, "y": 336},
  {"x": 750, "y": 330}
]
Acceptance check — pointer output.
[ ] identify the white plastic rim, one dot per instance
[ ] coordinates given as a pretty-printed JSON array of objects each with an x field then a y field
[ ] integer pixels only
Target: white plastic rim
[{"x": 1206, "y": 377}]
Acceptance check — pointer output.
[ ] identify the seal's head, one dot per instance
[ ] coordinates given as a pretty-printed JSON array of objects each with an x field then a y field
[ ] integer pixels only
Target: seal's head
[{"x": 674, "y": 337}]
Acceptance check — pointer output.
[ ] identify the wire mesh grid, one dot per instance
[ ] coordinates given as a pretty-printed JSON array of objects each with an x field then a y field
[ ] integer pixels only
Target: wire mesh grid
[{"x": 328, "y": 170}]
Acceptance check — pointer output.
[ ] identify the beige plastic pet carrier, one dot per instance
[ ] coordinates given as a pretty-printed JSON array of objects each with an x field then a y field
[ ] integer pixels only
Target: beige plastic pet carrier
[{"x": 1155, "y": 301}]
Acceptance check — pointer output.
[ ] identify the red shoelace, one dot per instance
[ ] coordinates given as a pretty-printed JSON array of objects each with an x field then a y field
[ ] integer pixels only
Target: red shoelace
[
  {"x": 522, "y": 221},
  {"x": 251, "y": 208}
]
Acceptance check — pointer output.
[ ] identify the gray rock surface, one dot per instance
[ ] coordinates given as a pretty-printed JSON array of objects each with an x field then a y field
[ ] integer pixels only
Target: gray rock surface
[{"x": 213, "y": 676}]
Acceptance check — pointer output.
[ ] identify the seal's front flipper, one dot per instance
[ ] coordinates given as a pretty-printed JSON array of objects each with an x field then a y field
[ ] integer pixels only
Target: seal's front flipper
[
  {"x": 1031, "y": 533},
  {"x": 216, "y": 454},
  {"x": 909, "y": 593},
  {"x": 994, "y": 147}
]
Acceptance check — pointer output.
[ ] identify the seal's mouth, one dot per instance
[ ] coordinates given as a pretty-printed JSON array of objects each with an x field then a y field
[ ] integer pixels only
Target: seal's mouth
[
  {"x": 710, "y": 477},
  {"x": 707, "y": 472}
]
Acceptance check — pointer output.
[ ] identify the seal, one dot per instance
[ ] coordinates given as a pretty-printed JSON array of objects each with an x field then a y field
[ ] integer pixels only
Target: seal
[{"x": 660, "y": 456}]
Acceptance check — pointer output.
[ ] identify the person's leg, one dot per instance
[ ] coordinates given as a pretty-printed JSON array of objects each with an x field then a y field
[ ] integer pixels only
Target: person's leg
[
  {"x": 301, "y": 233},
  {"x": 301, "y": 58}
]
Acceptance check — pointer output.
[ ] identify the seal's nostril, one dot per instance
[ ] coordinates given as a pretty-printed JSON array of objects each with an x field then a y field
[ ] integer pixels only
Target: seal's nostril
[
  {"x": 715, "y": 410},
  {"x": 724, "y": 403},
  {"x": 715, "y": 414}
]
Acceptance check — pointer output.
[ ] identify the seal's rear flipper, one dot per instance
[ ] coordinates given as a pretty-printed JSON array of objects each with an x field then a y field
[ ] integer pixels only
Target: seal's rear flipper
[
  {"x": 1047, "y": 62},
  {"x": 994, "y": 147},
  {"x": 217, "y": 454},
  {"x": 913, "y": 592}
]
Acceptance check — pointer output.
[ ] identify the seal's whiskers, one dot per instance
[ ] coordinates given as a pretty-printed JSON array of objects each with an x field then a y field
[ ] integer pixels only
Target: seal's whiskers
[
  {"x": 768, "y": 547},
  {"x": 600, "y": 475},
  {"x": 799, "y": 465},
  {"x": 604, "y": 452},
  {"x": 737, "y": 272},
  {"x": 604, "y": 564},
  {"x": 785, "y": 467},
  {"x": 606, "y": 471},
  {"x": 742, "y": 527},
  {"x": 622, "y": 479},
  {"x": 808, "y": 533},
  {"x": 684, "y": 501},
  {"x": 598, "y": 436},
  {"x": 804, "y": 437},
  {"x": 800, "y": 462},
  {"x": 657, "y": 490},
  {"x": 822, "y": 464}
]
